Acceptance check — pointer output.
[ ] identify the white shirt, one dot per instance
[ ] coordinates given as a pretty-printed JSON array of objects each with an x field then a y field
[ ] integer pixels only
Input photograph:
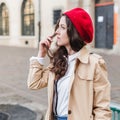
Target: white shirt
[{"x": 62, "y": 86}]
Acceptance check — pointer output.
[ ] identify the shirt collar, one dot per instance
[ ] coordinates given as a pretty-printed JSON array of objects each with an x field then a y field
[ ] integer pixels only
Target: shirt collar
[
  {"x": 72, "y": 57},
  {"x": 82, "y": 55}
]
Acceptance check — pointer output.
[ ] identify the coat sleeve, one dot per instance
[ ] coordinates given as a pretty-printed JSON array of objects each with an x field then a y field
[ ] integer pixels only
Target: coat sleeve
[
  {"x": 101, "y": 105},
  {"x": 37, "y": 76}
]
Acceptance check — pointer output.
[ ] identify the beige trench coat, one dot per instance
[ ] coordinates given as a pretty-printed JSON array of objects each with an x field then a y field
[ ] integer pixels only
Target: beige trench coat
[{"x": 89, "y": 96}]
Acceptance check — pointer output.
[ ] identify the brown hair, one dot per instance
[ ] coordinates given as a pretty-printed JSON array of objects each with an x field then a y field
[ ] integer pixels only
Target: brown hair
[{"x": 60, "y": 59}]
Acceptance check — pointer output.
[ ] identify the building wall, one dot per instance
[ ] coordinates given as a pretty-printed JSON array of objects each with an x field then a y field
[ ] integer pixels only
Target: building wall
[
  {"x": 15, "y": 38},
  {"x": 117, "y": 26},
  {"x": 43, "y": 12},
  {"x": 47, "y": 8},
  {"x": 117, "y": 12}
]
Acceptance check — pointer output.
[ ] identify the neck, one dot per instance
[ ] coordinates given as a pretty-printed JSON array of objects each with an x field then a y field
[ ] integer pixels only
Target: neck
[{"x": 70, "y": 51}]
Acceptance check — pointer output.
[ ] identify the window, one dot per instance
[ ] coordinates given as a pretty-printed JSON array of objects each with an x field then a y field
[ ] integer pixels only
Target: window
[
  {"x": 56, "y": 16},
  {"x": 27, "y": 18},
  {"x": 4, "y": 22}
]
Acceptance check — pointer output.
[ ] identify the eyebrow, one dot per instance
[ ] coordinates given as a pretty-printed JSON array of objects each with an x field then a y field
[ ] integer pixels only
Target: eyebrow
[{"x": 63, "y": 25}]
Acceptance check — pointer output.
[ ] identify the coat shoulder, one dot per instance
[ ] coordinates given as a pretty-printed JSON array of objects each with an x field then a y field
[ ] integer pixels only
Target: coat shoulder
[
  {"x": 95, "y": 56},
  {"x": 98, "y": 59}
]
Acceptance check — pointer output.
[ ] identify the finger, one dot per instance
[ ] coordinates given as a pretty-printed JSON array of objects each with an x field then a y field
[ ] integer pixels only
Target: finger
[
  {"x": 52, "y": 36},
  {"x": 46, "y": 44},
  {"x": 49, "y": 39}
]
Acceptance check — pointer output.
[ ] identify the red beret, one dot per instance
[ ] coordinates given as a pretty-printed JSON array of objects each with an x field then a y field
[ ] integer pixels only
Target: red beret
[{"x": 82, "y": 22}]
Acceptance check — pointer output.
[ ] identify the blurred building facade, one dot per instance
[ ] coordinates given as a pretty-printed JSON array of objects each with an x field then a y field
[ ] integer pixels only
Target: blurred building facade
[{"x": 26, "y": 22}]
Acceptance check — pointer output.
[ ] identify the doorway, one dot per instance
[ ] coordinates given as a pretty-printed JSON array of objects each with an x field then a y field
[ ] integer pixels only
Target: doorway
[{"x": 104, "y": 26}]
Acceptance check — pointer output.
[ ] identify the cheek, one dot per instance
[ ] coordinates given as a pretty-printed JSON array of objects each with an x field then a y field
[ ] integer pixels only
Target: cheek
[
  {"x": 65, "y": 36},
  {"x": 64, "y": 40}
]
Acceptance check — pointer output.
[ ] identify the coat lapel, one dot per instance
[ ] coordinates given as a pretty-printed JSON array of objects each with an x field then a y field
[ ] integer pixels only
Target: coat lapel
[{"x": 83, "y": 57}]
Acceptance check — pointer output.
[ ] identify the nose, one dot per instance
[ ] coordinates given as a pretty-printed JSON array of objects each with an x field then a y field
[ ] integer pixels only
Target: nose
[{"x": 57, "y": 31}]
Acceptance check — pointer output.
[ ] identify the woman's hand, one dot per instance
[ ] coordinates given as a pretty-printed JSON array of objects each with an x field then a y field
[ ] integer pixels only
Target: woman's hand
[{"x": 44, "y": 45}]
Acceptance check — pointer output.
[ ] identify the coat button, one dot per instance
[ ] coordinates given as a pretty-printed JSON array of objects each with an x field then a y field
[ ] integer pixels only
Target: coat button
[{"x": 69, "y": 111}]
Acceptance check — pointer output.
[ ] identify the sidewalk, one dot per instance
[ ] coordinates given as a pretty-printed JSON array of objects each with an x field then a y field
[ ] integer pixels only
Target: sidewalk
[{"x": 14, "y": 65}]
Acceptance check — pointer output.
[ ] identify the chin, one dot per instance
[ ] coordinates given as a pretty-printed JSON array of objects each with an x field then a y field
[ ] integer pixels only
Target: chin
[{"x": 58, "y": 44}]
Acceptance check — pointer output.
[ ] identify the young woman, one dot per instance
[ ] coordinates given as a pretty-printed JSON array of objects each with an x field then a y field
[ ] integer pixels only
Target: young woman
[{"x": 78, "y": 87}]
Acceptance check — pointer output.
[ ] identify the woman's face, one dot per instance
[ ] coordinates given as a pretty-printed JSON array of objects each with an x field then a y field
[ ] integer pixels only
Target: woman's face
[{"x": 62, "y": 37}]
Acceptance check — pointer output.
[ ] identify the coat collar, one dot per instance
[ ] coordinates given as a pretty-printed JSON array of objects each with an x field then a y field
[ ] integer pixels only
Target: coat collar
[{"x": 83, "y": 55}]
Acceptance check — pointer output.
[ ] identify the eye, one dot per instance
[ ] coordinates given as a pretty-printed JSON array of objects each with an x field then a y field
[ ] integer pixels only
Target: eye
[{"x": 62, "y": 27}]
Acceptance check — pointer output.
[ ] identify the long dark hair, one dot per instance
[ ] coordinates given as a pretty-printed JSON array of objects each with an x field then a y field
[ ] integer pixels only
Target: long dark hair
[{"x": 60, "y": 59}]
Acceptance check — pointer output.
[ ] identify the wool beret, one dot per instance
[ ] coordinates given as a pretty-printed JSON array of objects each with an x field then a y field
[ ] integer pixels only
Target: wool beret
[{"x": 82, "y": 22}]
